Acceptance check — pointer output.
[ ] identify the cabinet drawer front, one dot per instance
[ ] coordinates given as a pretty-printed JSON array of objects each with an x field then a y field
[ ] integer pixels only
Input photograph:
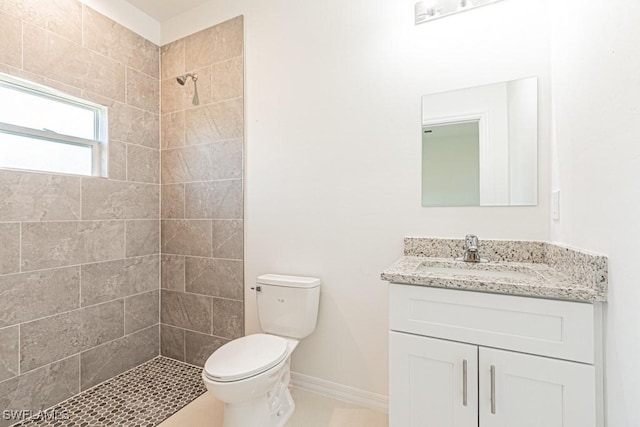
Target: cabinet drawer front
[{"x": 559, "y": 329}]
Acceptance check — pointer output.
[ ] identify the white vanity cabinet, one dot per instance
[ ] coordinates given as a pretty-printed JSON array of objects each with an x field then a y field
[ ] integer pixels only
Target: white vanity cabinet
[{"x": 472, "y": 359}]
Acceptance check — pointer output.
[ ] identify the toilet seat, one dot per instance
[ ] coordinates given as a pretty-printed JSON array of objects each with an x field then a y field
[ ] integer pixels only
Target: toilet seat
[{"x": 245, "y": 357}]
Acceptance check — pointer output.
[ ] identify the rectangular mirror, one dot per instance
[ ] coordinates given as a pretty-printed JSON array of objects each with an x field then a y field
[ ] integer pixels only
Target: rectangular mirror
[{"x": 480, "y": 146}]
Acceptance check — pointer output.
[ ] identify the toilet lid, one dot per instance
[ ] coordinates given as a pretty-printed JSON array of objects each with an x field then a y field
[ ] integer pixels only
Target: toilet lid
[{"x": 245, "y": 357}]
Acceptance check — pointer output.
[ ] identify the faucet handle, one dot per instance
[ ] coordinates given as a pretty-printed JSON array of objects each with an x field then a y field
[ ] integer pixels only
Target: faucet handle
[{"x": 471, "y": 242}]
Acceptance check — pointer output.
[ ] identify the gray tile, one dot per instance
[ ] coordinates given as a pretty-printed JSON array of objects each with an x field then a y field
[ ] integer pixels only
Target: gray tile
[
  {"x": 186, "y": 311},
  {"x": 55, "y": 244},
  {"x": 215, "y": 122},
  {"x": 143, "y": 237},
  {"x": 60, "y": 59},
  {"x": 53, "y": 338},
  {"x": 216, "y": 277},
  {"x": 172, "y": 342},
  {"x": 186, "y": 237},
  {"x": 29, "y": 296},
  {"x": 117, "y": 166},
  {"x": 133, "y": 125},
  {"x": 9, "y": 352},
  {"x": 215, "y": 44},
  {"x": 117, "y": 279},
  {"x": 10, "y": 248},
  {"x": 143, "y": 91},
  {"x": 63, "y": 17},
  {"x": 28, "y": 196},
  {"x": 173, "y": 201},
  {"x": 41, "y": 388},
  {"x": 108, "y": 360},
  {"x": 11, "y": 41},
  {"x": 227, "y": 79},
  {"x": 214, "y": 200},
  {"x": 198, "y": 347},
  {"x": 172, "y": 59},
  {"x": 228, "y": 239},
  {"x": 228, "y": 318},
  {"x": 143, "y": 164},
  {"x": 141, "y": 311},
  {"x": 172, "y": 130},
  {"x": 172, "y": 272},
  {"x": 104, "y": 199},
  {"x": 111, "y": 39},
  {"x": 206, "y": 162}
]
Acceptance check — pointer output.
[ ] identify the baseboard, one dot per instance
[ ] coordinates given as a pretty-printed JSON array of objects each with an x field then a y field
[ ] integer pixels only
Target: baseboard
[{"x": 354, "y": 396}]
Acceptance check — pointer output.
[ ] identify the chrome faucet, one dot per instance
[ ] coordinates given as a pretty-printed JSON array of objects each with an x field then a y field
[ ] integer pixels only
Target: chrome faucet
[{"x": 471, "y": 253}]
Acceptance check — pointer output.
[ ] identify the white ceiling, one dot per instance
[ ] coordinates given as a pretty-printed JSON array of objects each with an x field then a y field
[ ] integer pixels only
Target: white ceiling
[{"x": 162, "y": 10}]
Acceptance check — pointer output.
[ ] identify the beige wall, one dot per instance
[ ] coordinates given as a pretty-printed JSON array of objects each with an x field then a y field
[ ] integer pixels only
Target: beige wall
[
  {"x": 79, "y": 256},
  {"x": 202, "y": 193}
]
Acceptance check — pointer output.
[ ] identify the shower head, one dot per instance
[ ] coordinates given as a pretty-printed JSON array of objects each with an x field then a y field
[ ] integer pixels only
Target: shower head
[{"x": 183, "y": 79}]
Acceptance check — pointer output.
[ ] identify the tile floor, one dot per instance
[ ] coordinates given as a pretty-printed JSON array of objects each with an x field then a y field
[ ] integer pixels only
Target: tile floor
[{"x": 169, "y": 393}]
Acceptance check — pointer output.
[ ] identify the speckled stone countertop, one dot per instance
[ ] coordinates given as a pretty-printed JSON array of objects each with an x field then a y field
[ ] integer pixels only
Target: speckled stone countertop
[{"x": 535, "y": 269}]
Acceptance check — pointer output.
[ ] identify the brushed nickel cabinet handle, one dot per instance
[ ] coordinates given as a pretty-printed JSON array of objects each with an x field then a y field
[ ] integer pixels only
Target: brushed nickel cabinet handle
[
  {"x": 493, "y": 389},
  {"x": 464, "y": 383}
]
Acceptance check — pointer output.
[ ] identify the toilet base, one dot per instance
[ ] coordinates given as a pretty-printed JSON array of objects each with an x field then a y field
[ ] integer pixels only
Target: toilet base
[{"x": 257, "y": 413}]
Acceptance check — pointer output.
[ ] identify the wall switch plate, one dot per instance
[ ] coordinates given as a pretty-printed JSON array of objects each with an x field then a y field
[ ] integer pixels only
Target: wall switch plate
[{"x": 555, "y": 205}]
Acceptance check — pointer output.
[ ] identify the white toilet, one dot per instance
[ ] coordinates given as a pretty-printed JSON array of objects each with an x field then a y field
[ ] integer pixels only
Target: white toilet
[{"x": 251, "y": 374}]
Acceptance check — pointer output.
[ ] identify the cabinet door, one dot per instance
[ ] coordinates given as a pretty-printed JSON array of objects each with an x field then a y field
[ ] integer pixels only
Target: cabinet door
[
  {"x": 520, "y": 390},
  {"x": 432, "y": 382}
]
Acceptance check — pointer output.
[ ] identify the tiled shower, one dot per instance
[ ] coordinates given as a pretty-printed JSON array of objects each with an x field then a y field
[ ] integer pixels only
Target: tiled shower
[{"x": 99, "y": 275}]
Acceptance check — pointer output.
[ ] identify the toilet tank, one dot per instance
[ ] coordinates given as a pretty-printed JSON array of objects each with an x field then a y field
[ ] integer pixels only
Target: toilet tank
[{"x": 288, "y": 305}]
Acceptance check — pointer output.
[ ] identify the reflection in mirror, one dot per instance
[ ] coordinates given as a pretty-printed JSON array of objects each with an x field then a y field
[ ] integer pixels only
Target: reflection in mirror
[{"x": 480, "y": 146}]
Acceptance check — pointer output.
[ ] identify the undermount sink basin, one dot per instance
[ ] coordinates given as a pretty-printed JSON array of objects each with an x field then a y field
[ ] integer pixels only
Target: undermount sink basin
[{"x": 473, "y": 270}]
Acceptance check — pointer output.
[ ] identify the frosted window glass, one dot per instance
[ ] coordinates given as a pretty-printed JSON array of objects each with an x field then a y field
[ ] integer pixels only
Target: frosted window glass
[
  {"x": 38, "y": 154},
  {"x": 36, "y": 112}
]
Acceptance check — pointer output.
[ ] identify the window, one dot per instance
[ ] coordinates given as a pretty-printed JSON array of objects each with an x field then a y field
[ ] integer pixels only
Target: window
[{"x": 45, "y": 130}]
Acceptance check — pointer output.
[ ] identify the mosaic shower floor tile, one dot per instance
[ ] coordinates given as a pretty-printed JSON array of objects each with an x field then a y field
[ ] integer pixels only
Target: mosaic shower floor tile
[{"x": 142, "y": 397}]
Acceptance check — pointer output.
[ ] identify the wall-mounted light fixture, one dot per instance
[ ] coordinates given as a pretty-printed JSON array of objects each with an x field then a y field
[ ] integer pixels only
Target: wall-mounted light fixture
[{"x": 428, "y": 10}]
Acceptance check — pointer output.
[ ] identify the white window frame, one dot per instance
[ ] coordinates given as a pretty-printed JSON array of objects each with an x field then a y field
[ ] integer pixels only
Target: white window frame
[{"x": 98, "y": 145}]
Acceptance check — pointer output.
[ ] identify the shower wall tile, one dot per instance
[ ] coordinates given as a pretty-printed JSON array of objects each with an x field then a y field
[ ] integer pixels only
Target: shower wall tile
[
  {"x": 228, "y": 318},
  {"x": 63, "y": 17},
  {"x": 185, "y": 310},
  {"x": 110, "y": 359},
  {"x": 143, "y": 238},
  {"x": 107, "y": 281},
  {"x": 215, "y": 277},
  {"x": 27, "y": 196},
  {"x": 57, "y": 244},
  {"x": 104, "y": 199},
  {"x": 141, "y": 311},
  {"x": 198, "y": 49},
  {"x": 46, "y": 340},
  {"x": 215, "y": 122},
  {"x": 228, "y": 239},
  {"x": 172, "y": 201},
  {"x": 10, "y": 248},
  {"x": 173, "y": 272},
  {"x": 207, "y": 162},
  {"x": 172, "y": 59},
  {"x": 42, "y": 388},
  {"x": 30, "y": 296},
  {"x": 143, "y": 164},
  {"x": 173, "y": 130},
  {"x": 228, "y": 40},
  {"x": 111, "y": 39},
  {"x": 228, "y": 79},
  {"x": 172, "y": 96},
  {"x": 9, "y": 352},
  {"x": 186, "y": 237},
  {"x": 73, "y": 248},
  {"x": 11, "y": 42},
  {"x": 57, "y": 58},
  {"x": 172, "y": 342},
  {"x": 214, "y": 200},
  {"x": 143, "y": 91},
  {"x": 198, "y": 347},
  {"x": 117, "y": 162}
]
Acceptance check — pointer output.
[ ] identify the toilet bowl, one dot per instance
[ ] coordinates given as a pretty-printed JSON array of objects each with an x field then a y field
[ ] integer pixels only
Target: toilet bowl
[{"x": 251, "y": 374}]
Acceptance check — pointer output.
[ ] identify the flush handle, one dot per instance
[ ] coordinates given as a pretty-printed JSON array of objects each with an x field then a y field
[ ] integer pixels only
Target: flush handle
[{"x": 257, "y": 289}]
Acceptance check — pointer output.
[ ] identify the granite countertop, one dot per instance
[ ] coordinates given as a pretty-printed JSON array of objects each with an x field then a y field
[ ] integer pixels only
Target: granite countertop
[{"x": 534, "y": 269}]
